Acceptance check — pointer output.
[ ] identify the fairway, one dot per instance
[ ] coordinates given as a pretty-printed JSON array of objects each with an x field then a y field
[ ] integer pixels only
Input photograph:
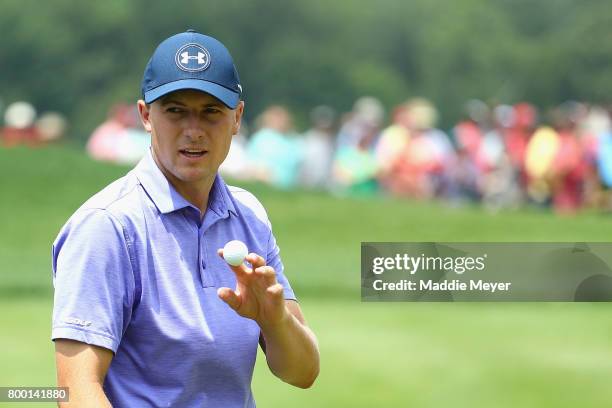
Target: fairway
[{"x": 373, "y": 354}]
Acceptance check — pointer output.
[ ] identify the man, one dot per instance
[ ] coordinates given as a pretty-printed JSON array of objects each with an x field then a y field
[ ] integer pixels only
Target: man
[{"x": 146, "y": 311}]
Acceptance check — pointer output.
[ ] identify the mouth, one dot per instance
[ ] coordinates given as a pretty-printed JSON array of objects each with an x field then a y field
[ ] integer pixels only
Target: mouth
[{"x": 193, "y": 153}]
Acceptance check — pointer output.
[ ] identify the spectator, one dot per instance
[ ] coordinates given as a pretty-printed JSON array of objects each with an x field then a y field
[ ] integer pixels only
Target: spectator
[
  {"x": 594, "y": 131},
  {"x": 275, "y": 150},
  {"x": 392, "y": 143},
  {"x": 354, "y": 166},
  {"x": 540, "y": 154},
  {"x": 363, "y": 122},
  {"x": 421, "y": 171},
  {"x": 120, "y": 139},
  {"x": 318, "y": 148},
  {"x": 500, "y": 179},
  {"x": 236, "y": 164},
  {"x": 51, "y": 127},
  {"x": 568, "y": 167},
  {"x": 19, "y": 126},
  {"x": 517, "y": 136}
]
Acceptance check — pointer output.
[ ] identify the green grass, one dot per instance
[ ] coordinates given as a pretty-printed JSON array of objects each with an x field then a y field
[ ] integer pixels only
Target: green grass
[{"x": 373, "y": 354}]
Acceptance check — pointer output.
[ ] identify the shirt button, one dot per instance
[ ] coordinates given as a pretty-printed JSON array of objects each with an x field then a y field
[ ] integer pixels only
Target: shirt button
[{"x": 203, "y": 264}]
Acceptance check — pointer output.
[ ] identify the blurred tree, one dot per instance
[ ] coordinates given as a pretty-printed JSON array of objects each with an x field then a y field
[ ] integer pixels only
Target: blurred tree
[{"x": 80, "y": 57}]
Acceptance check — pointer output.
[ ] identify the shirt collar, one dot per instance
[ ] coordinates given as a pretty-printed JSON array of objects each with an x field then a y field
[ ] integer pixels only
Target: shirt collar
[
  {"x": 219, "y": 199},
  {"x": 167, "y": 199}
]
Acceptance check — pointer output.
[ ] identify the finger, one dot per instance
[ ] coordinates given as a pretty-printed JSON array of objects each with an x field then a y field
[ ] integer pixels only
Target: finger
[
  {"x": 255, "y": 260},
  {"x": 267, "y": 273},
  {"x": 230, "y": 297},
  {"x": 276, "y": 291}
]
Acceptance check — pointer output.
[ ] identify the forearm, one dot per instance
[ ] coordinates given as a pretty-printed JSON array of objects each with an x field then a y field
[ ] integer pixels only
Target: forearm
[
  {"x": 292, "y": 352},
  {"x": 88, "y": 395}
]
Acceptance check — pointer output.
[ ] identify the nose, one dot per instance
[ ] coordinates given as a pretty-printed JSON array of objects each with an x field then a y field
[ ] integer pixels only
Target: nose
[{"x": 193, "y": 128}]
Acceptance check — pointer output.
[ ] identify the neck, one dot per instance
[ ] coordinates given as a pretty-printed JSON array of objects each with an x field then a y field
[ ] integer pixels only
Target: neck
[{"x": 196, "y": 193}]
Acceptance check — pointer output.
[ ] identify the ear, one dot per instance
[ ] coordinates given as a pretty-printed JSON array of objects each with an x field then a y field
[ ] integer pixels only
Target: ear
[
  {"x": 144, "y": 111},
  {"x": 238, "y": 118}
]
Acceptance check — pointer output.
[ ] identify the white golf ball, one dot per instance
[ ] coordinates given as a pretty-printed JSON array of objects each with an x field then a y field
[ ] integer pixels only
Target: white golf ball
[{"x": 234, "y": 252}]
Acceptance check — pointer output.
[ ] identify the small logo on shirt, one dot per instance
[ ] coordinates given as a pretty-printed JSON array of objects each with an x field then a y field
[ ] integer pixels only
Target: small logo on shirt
[{"x": 78, "y": 322}]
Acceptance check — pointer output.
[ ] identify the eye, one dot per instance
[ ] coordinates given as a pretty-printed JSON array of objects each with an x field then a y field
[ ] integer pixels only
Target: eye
[
  {"x": 174, "y": 109},
  {"x": 212, "y": 110}
]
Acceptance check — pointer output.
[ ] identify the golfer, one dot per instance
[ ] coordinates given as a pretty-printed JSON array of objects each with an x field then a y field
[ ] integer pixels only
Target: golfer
[{"x": 146, "y": 311}]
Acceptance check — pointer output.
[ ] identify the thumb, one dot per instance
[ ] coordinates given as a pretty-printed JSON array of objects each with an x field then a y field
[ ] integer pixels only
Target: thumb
[{"x": 230, "y": 297}]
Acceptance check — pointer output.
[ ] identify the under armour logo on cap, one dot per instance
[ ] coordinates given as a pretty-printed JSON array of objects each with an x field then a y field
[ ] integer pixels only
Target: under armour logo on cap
[{"x": 192, "y": 58}]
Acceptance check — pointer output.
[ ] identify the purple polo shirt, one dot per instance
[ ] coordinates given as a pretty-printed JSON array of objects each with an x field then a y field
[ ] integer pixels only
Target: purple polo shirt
[{"x": 136, "y": 272}]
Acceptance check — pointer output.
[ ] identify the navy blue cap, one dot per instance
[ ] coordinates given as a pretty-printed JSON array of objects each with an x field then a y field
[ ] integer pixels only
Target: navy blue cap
[{"x": 191, "y": 60}]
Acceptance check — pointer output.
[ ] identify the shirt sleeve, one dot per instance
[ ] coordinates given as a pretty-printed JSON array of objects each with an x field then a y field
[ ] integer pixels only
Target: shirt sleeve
[
  {"x": 93, "y": 279},
  {"x": 274, "y": 260}
]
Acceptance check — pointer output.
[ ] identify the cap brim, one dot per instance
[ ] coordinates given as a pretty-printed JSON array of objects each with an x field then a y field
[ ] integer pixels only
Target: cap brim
[{"x": 228, "y": 97}]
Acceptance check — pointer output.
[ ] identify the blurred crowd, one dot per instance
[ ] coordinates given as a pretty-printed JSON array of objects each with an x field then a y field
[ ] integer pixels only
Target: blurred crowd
[
  {"x": 503, "y": 156},
  {"x": 23, "y": 126}
]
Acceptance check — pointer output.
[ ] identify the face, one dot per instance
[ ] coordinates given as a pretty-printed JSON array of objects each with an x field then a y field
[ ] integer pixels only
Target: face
[{"x": 191, "y": 132}]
